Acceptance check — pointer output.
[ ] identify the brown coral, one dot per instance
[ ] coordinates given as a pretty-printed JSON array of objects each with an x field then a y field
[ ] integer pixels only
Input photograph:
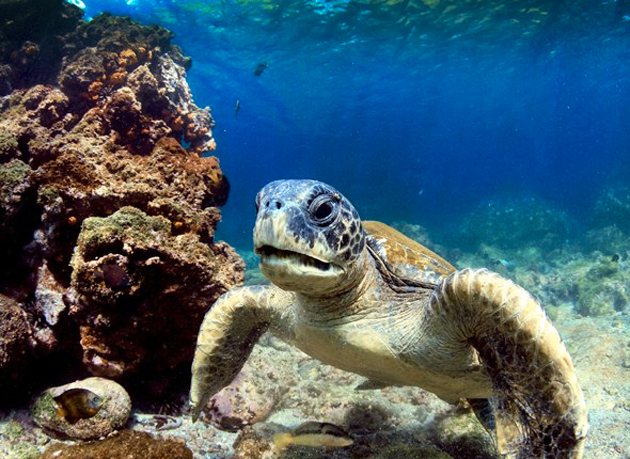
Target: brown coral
[
  {"x": 128, "y": 58},
  {"x": 118, "y": 77}
]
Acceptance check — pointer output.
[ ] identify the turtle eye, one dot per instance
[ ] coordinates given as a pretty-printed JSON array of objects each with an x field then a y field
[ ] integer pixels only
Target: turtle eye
[{"x": 323, "y": 209}]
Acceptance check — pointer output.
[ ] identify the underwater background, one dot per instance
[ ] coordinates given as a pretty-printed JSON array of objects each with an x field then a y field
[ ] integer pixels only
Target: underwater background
[
  {"x": 494, "y": 132},
  {"x": 416, "y": 110}
]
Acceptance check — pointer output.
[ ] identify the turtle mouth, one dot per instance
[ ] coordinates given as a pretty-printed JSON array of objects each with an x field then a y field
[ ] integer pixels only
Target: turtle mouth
[{"x": 272, "y": 255}]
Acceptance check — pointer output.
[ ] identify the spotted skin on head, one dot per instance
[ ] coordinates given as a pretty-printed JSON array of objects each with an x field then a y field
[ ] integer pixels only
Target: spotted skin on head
[
  {"x": 314, "y": 220},
  {"x": 317, "y": 220}
]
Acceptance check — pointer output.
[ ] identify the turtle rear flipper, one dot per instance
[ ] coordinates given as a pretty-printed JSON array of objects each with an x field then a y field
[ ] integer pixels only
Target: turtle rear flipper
[{"x": 539, "y": 406}]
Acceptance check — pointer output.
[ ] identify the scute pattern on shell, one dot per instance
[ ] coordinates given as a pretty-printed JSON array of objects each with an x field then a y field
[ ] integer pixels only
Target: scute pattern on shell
[{"x": 406, "y": 257}]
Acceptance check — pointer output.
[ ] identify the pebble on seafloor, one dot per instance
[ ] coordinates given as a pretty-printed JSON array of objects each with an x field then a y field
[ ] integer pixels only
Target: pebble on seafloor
[
  {"x": 82, "y": 410},
  {"x": 240, "y": 404}
]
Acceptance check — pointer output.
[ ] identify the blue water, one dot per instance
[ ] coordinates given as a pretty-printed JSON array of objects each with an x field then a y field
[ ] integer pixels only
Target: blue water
[{"x": 415, "y": 110}]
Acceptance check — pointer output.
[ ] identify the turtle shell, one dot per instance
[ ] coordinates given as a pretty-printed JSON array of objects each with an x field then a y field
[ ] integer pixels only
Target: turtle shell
[{"x": 405, "y": 257}]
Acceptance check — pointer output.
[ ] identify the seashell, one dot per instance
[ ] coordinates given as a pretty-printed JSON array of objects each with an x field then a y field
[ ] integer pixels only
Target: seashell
[{"x": 82, "y": 410}]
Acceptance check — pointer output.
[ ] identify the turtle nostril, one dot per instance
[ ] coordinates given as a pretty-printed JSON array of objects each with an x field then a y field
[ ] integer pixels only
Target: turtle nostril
[{"x": 274, "y": 204}]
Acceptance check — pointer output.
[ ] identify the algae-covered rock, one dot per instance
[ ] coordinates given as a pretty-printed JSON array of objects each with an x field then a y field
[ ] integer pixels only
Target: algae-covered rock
[
  {"x": 55, "y": 409},
  {"x": 17, "y": 223},
  {"x": 463, "y": 437},
  {"x": 31, "y": 40},
  {"x": 136, "y": 282},
  {"x": 603, "y": 288},
  {"x": 609, "y": 240}
]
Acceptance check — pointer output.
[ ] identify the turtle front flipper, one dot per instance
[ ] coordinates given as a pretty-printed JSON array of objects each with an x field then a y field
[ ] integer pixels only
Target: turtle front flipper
[
  {"x": 226, "y": 338},
  {"x": 539, "y": 406}
]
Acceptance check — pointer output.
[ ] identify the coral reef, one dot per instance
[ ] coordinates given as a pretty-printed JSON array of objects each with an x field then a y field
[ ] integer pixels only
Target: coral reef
[
  {"x": 104, "y": 153},
  {"x": 609, "y": 240},
  {"x": 592, "y": 283},
  {"x": 124, "y": 445},
  {"x": 112, "y": 413}
]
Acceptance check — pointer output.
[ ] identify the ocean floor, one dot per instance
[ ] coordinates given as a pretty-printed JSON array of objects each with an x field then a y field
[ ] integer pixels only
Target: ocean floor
[{"x": 282, "y": 388}]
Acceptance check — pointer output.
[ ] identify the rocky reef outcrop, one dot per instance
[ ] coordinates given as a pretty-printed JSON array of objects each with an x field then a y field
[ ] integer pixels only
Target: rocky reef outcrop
[
  {"x": 613, "y": 207},
  {"x": 512, "y": 223},
  {"x": 108, "y": 200}
]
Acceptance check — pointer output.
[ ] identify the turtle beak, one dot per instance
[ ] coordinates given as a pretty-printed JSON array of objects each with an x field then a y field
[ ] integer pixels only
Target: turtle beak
[
  {"x": 287, "y": 261},
  {"x": 272, "y": 255}
]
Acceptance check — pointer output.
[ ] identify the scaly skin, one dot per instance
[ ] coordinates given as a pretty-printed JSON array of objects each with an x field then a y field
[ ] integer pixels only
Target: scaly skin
[
  {"x": 227, "y": 336},
  {"x": 474, "y": 334},
  {"x": 539, "y": 407}
]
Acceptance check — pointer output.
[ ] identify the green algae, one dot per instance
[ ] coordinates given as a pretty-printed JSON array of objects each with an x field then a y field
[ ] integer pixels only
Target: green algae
[
  {"x": 13, "y": 429},
  {"x": 603, "y": 288},
  {"x": 23, "y": 450},
  {"x": 126, "y": 221},
  {"x": 127, "y": 224},
  {"x": 14, "y": 434},
  {"x": 8, "y": 144},
  {"x": 44, "y": 406},
  {"x": 12, "y": 175},
  {"x": 47, "y": 195}
]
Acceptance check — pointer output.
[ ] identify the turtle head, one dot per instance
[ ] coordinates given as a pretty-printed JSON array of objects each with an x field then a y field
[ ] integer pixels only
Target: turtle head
[{"x": 309, "y": 237}]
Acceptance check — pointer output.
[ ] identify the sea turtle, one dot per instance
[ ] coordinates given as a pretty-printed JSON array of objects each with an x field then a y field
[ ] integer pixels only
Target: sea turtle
[{"x": 364, "y": 298}]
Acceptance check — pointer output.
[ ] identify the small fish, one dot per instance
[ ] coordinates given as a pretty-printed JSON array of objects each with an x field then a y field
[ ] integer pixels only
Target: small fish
[
  {"x": 237, "y": 107},
  {"x": 315, "y": 434},
  {"x": 165, "y": 422},
  {"x": 75, "y": 404},
  {"x": 260, "y": 68}
]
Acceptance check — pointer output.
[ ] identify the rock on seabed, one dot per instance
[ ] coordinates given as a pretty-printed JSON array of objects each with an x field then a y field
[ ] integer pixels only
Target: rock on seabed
[{"x": 113, "y": 414}]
